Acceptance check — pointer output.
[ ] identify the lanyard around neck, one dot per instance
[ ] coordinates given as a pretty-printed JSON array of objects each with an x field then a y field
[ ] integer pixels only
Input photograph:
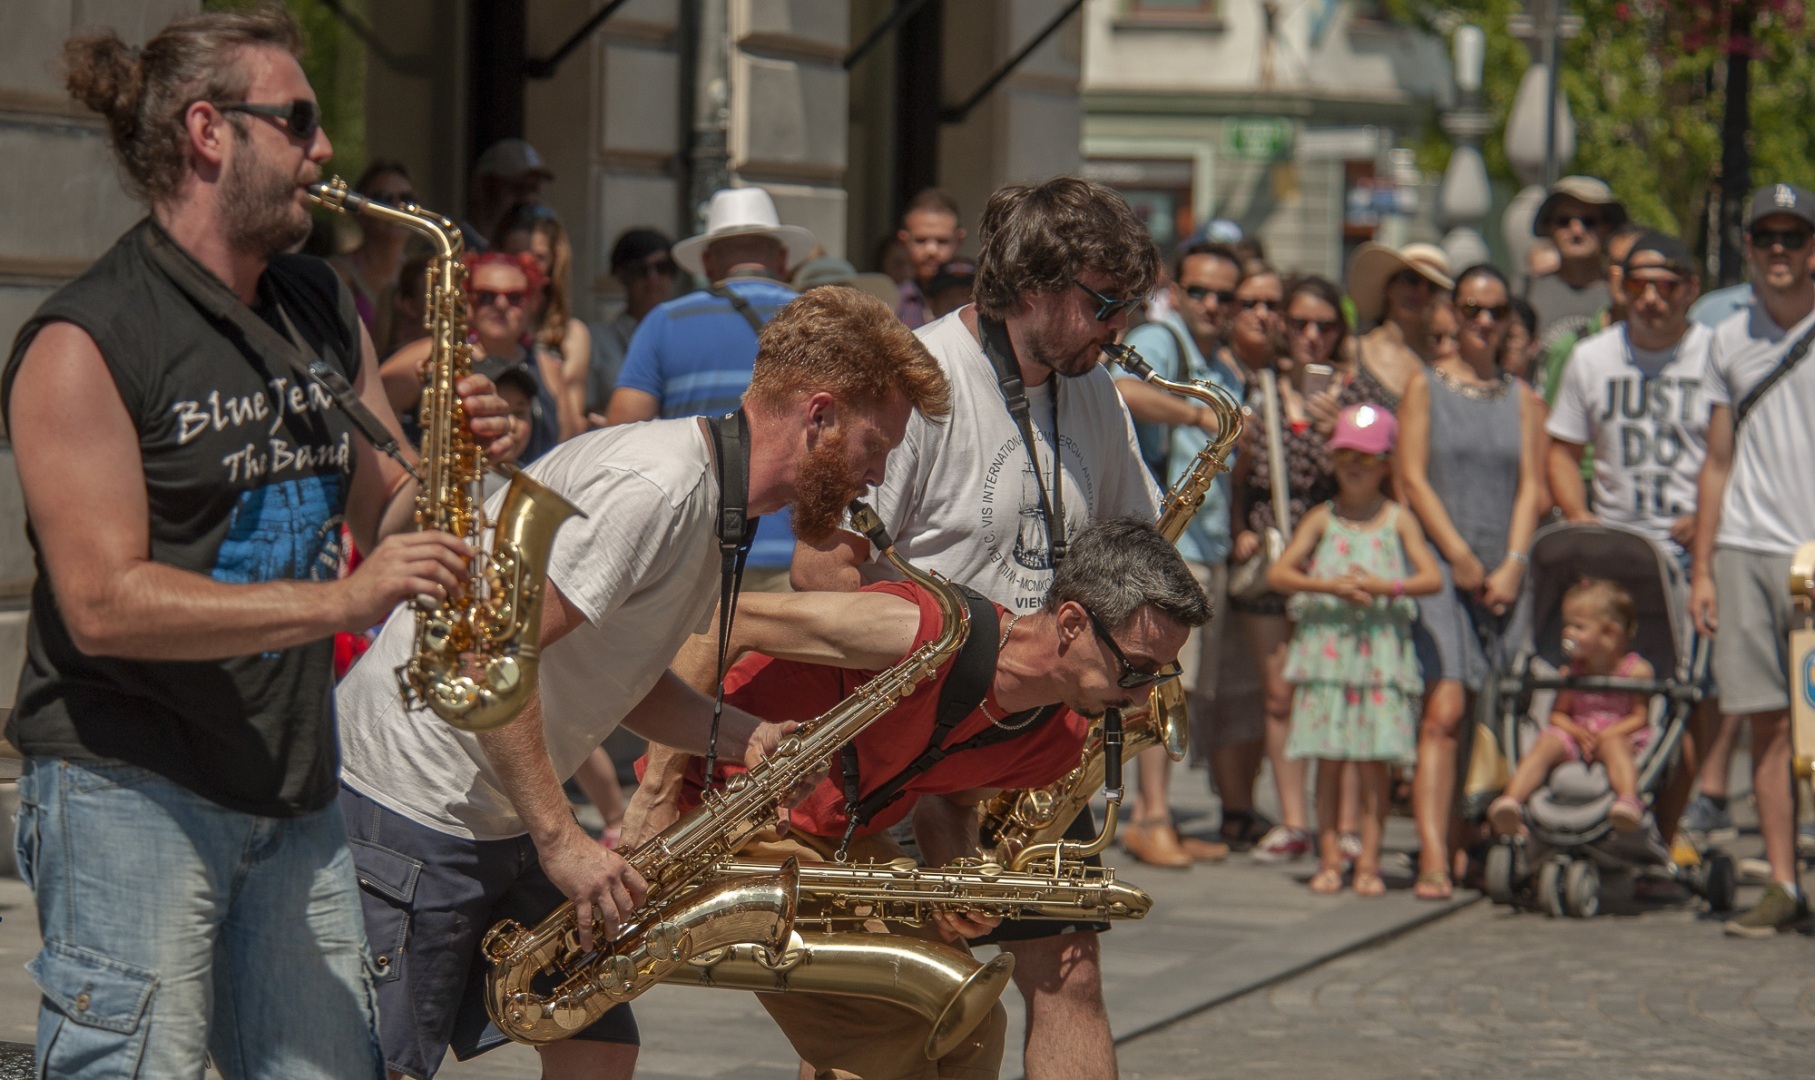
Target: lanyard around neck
[{"x": 1001, "y": 352}]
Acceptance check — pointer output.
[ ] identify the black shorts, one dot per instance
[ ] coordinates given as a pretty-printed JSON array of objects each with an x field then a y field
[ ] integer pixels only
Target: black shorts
[
  {"x": 1082, "y": 827},
  {"x": 429, "y": 899}
]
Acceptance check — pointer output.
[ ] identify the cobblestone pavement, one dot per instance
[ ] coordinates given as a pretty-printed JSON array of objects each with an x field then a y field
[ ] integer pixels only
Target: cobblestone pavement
[{"x": 1641, "y": 991}]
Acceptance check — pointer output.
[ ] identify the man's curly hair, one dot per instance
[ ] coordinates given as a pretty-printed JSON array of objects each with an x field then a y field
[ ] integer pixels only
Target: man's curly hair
[{"x": 1039, "y": 239}]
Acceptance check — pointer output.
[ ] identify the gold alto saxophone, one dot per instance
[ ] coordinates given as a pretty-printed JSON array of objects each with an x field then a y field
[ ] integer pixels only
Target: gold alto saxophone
[
  {"x": 492, "y": 624},
  {"x": 543, "y": 986},
  {"x": 1023, "y": 827}
]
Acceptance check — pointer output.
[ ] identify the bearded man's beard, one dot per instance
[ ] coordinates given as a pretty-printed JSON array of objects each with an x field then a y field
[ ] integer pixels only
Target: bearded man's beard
[
  {"x": 258, "y": 207},
  {"x": 823, "y": 489},
  {"x": 1068, "y": 359}
]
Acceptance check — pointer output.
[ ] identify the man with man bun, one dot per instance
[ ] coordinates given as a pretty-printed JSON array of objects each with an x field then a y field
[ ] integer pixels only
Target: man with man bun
[{"x": 186, "y": 484}]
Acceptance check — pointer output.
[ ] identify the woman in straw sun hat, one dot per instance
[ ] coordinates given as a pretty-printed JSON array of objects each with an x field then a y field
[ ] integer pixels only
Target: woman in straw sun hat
[{"x": 1395, "y": 288}]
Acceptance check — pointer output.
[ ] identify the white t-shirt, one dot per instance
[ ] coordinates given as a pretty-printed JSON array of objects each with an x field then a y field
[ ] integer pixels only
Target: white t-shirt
[
  {"x": 1769, "y": 506},
  {"x": 959, "y": 495},
  {"x": 1645, "y": 412},
  {"x": 642, "y": 566}
]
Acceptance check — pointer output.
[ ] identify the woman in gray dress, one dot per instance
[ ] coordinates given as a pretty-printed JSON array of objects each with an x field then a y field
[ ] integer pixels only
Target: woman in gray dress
[{"x": 1470, "y": 461}]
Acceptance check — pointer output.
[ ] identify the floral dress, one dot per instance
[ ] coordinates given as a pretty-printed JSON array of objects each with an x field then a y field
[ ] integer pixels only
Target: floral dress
[{"x": 1353, "y": 666}]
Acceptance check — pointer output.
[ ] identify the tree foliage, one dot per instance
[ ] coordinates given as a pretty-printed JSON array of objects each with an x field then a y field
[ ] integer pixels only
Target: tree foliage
[{"x": 1645, "y": 80}]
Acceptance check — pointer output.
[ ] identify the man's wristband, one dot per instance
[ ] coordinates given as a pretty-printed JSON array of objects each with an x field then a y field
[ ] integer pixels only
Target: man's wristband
[{"x": 1518, "y": 557}]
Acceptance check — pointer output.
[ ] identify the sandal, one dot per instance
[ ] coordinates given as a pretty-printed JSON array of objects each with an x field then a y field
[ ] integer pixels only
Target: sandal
[
  {"x": 1369, "y": 884},
  {"x": 1627, "y": 814},
  {"x": 1327, "y": 881},
  {"x": 1433, "y": 885}
]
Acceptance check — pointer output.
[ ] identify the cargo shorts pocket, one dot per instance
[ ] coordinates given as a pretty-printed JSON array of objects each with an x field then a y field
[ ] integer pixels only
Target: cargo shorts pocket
[
  {"x": 100, "y": 1004},
  {"x": 387, "y": 890}
]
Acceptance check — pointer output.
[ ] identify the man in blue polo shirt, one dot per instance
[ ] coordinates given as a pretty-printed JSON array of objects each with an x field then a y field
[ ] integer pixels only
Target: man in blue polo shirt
[{"x": 692, "y": 356}]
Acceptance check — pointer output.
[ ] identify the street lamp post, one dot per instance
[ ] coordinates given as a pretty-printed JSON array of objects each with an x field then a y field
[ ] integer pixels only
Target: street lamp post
[{"x": 1465, "y": 196}]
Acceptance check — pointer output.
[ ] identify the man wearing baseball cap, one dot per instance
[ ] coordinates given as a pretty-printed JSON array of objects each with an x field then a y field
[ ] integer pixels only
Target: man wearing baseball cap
[
  {"x": 1578, "y": 215},
  {"x": 1756, "y": 505},
  {"x": 508, "y": 173}
]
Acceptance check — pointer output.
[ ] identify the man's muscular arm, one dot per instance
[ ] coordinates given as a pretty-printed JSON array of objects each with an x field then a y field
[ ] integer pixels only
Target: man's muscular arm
[
  {"x": 77, "y": 451},
  {"x": 831, "y": 566}
]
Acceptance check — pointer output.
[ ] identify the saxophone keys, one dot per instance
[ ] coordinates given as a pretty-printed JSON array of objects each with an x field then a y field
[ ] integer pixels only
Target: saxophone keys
[
  {"x": 566, "y": 1015},
  {"x": 503, "y": 674}
]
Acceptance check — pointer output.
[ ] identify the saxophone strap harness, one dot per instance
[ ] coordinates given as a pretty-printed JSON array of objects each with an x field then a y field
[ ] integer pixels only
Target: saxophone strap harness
[
  {"x": 730, "y": 436},
  {"x": 993, "y": 336},
  {"x": 216, "y": 300},
  {"x": 965, "y": 687}
]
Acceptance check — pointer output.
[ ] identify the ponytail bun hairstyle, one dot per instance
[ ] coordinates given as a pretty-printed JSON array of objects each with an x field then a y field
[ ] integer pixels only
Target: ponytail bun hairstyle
[{"x": 144, "y": 93}]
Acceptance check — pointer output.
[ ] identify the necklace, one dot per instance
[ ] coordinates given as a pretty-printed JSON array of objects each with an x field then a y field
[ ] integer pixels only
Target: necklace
[
  {"x": 984, "y": 704},
  {"x": 1475, "y": 391}
]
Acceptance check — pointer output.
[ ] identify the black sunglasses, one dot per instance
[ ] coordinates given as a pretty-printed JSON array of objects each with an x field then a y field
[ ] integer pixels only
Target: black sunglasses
[
  {"x": 1472, "y": 312},
  {"x": 1788, "y": 239},
  {"x": 1587, "y": 221},
  {"x": 302, "y": 117},
  {"x": 1413, "y": 278},
  {"x": 1132, "y": 678},
  {"x": 1107, "y": 307},
  {"x": 1249, "y": 303},
  {"x": 1198, "y": 292},
  {"x": 1325, "y": 327}
]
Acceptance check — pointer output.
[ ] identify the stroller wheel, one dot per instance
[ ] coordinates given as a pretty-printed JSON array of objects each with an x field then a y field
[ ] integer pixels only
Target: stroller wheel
[
  {"x": 1719, "y": 880},
  {"x": 1497, "y": 874},
  {"x": 1582, "y": 889},
  {"x": 1550, "y": 888}
]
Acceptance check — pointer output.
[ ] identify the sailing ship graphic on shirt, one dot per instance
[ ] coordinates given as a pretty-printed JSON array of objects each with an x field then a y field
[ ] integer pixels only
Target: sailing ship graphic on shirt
[
  {"x": 286, "y": 531},
  {"x": 1033, "y": 548}
]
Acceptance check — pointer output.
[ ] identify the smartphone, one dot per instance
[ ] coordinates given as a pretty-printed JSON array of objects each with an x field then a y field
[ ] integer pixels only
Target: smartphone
[{"x": 1318, "y": 378}]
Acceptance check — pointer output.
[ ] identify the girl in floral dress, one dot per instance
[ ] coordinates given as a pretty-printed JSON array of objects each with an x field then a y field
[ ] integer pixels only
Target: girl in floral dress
[{"x": 1351, "y": 661}]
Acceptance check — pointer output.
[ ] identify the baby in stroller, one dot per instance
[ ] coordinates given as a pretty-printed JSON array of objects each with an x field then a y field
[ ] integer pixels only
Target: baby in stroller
[{"x": 1609, "y": 726}]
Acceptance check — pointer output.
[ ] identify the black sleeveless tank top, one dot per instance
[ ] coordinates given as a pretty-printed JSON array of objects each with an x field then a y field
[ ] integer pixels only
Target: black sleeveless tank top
[{"x": 246, "y": 470}]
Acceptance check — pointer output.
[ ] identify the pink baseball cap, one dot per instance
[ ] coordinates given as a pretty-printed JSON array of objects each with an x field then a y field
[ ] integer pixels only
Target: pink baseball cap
[{"x": 1367, "y": 428}]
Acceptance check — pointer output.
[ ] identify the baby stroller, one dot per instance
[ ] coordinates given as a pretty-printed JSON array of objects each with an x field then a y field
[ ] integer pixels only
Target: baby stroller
[{"x": 1569, "y": 843}]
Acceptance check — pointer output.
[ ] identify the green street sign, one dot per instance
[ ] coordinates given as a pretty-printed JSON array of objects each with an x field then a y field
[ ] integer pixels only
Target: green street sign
[{"x": 1257, "y": 138}]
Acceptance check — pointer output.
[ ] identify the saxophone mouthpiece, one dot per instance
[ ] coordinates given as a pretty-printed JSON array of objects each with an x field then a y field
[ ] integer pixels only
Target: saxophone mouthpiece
[
  {"x": 1130, "y": 360},
  {"x": 866, "y": 521}
]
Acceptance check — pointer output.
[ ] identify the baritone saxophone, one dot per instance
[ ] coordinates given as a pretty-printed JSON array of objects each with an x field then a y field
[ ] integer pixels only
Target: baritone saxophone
[
  {"x": 476, "y": 653},
  {"x": 1023, "y": 827},
  {"x": 542, "y": 986}
]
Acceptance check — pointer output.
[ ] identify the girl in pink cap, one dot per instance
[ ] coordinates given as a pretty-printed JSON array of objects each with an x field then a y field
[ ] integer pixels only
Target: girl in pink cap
[{"x": 1351, "y": 661}]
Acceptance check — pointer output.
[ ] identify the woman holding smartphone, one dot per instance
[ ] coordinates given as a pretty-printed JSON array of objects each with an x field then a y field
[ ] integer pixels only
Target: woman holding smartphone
[{"x": 1310, "y": 316}]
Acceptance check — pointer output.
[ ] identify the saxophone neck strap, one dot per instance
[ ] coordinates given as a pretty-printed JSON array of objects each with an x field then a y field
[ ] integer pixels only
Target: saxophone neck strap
[
  {"x": 217, "y": 301},
  {"x": 730, "y": 436},
  {"x": 993, "y": 336},
  {"x": 966, "y": 684}
]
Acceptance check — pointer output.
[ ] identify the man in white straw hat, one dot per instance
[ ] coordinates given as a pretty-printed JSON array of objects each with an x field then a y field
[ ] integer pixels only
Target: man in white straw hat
[
  {"x": 692, "y": 356},
  {"x": 1578, "y": 215}
]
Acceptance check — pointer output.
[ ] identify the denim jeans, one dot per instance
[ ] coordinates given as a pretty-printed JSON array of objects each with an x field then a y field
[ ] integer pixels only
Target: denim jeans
[{"x": 175, "y": 929}]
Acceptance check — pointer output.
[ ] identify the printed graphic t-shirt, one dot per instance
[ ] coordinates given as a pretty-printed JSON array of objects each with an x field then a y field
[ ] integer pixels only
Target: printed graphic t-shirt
[
  {"x": 789, "y": 690},
  {"x": 960, "y": 497},
  {"x": 1645, "y": 412},
  {"x": 642, "y": 566},
  {"x": 246, "y": 477}
]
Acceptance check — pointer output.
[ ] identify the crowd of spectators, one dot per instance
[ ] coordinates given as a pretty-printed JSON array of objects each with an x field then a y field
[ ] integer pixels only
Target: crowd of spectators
[{"x": 1501, "y": 406}]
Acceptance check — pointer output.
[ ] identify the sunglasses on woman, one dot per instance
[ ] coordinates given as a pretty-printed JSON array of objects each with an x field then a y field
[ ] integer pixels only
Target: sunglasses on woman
[
  {"x": 1108, "y": 307},
  {"x": 1132, "y": 678},
  {"x": 1324, "y": 327},
  {"x": 1472, "y": 312},
  {"x": 1411, "y": 278},
  {"x": 485, "y": 298},
  {"x": 302, "y": 117},
  {"x": 1250, "y": 303}
]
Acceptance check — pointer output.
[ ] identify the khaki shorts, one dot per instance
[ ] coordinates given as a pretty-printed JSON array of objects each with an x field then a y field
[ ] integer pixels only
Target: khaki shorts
[
  {"x": 853, "y": 1037},
  {"x": 1752, "y": 647}
]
